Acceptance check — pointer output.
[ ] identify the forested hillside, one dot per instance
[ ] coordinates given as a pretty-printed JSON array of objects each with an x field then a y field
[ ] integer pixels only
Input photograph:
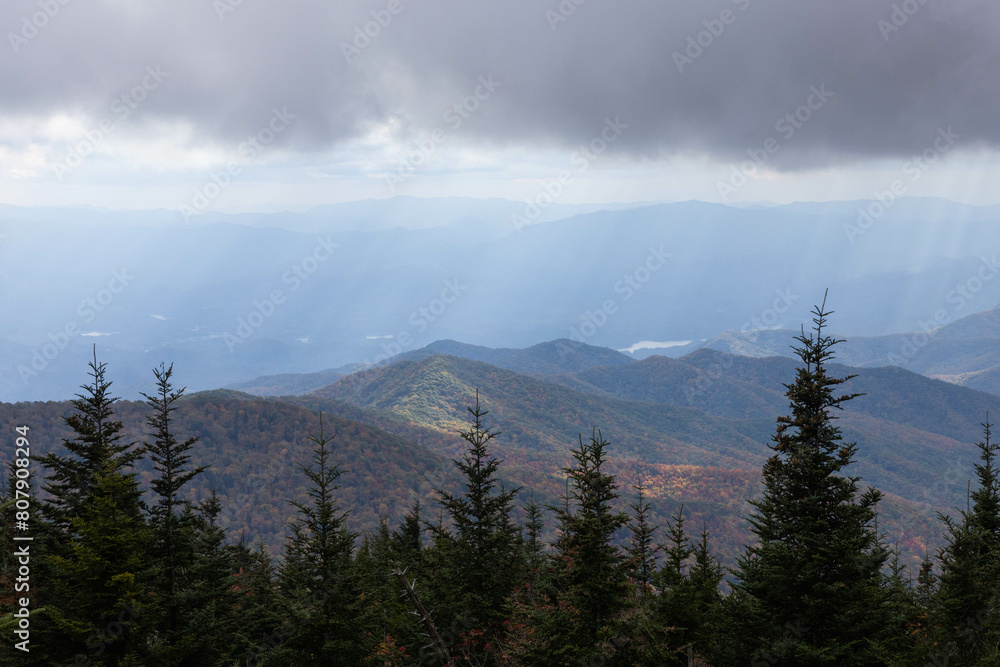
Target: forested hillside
[
  {"x": 147, "y": 525},
  {"x": 695, "y": 431}
]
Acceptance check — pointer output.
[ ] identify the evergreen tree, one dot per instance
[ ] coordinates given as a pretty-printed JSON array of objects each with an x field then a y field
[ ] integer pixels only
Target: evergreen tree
[
  {"x": 408, "y": 540},
  {"x": 272, "y": 629},
  {"x": 482, "y": 541},
  {"x": 533, "y": 544},
  {"x": 705, "y": 576},
  {"x": 207, "y": 593},
  {"x": 689, "y": 593},
  {"x": 94, "y": 537},
  {"x": 171, "y": 529},
  {"x": 905, "y": 645},
  {"x": 642, "y": 549},
  {"x": 317, "y": 576},
  {"x": 97, "y": 449},
  {"x": 811, "y": 587},
  {"x": 968, "y": 596},
  {"x": 384, "y": 623},
  {"x": 676, "y": 552},
  {"x": 582, "y": 614}
]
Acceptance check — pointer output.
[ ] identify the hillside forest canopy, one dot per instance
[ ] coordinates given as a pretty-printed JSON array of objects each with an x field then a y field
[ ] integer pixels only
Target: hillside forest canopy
[{"x": 129, "y": 567}]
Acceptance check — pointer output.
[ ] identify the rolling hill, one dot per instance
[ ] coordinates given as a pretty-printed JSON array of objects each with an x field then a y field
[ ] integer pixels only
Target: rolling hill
[
  {"x": 551, "y": 358},
  {"x": 918, "y": 451},
  {"x": 254, "y": 447},
  {"x": 693, "y": 430}
]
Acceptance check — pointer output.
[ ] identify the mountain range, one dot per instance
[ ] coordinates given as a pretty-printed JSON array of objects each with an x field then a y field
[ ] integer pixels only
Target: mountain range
[
  {"x": 965, "y": 351},
  {"x": 239, "y": 296},
  {"x": 694, "y": 431}
]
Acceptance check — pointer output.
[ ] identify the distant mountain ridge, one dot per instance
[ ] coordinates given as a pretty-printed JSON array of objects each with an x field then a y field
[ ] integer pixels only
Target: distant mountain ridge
[
  {"x": 339, "y": 285},
  {"x": 549, "y": 358},
  {"x": 965, "y": 351}
]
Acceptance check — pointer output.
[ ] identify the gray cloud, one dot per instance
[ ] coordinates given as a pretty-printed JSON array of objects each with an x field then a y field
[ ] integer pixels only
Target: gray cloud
[{"x": 891, "y": 90}]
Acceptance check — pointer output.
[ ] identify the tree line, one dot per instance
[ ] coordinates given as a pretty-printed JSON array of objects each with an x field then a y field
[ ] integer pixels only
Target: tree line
[{"x": 123, "y": 575}]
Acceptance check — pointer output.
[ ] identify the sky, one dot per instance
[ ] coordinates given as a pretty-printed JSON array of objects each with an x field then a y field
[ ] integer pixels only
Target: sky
[{"x": 243, "y": 105}]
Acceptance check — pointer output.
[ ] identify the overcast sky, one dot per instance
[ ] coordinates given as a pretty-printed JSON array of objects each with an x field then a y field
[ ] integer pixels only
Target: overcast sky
[{"x": 250, "y": 104}]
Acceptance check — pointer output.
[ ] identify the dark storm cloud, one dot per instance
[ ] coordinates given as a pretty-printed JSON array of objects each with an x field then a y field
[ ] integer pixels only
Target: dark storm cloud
[{"x": 697, "y": 76}]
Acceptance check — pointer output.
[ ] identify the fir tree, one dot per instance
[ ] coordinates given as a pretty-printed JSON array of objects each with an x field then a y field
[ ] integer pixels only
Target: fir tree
[
  {"x": 533, "y": 526},
  {"x": 904, "y": 646},
  {"x": 171, "y": 530},
  {"x": 483, "y": 540},
  {"x": 581, "y": 616},
  {"x": 689, "y": 593},
  {"x": 272, "y": 629},
  {"x": 811, "y": 587},
  {"x": 207, "y": 594},
  {"x": 968, "y": 596},
  {"x": 94, "y": 537},
  {"x": 408, "y": 541},
  {"x": 642, "y": 549},
  {"x": 97, "y": 449},
  {"x": 317, "y": 575},
  {"x": 384, "y": 622}
]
